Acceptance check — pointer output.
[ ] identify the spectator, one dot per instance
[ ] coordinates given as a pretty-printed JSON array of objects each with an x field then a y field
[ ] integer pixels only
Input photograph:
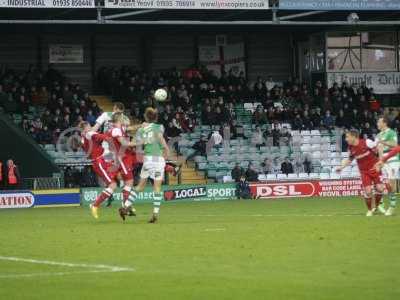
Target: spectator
[
  {"x": 276, "y": 166},
  {"x": 257, "y": 138},
  {"x": 69, "y": 178},
  {"x": 91, "y": 118},
  {"x": 237, "y": 172},
  {"x": 243, "y": 188},
  {"x": 2, "y": 176},
  {"x": 200, "y": 148},
  {"x": 259, "y": 116},
  {"x": 251, "y": 173},
  {"x": 307, "y": 166},
  {"x": 297, "y": 123},
  {"x": 298, "y": 166},
  {"x": 208, "y": 117},
  {"x": 328, "y": 121},
  {"x": 45, "y": 136},
  {"x": 88, "y": 177},
  {"x": 237, "y": 131},
  {"x": 287, "y": 167},
  {"x": 267, "y": 167},
  {"x": 216, "y": 139},
  {"x": 13, "y": 177}
]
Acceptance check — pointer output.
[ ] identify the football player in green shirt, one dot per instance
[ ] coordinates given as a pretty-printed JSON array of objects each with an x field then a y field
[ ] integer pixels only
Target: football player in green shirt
[
  {"x": 155, "y": 150},
  {"x": 387, "y": 139}
]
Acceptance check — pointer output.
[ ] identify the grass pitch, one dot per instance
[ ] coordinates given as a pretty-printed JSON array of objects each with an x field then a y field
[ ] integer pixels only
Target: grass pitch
[{"x": 258, "y": 249}]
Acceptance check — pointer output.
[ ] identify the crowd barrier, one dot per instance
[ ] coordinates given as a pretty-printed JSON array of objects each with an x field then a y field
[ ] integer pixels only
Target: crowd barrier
[
  {"x": 311, "y": 188},
  {"x": 261, "y": 190},
  {"x": 188, "y": 192},
  {"x": 42, "y": 198},
  {"x": 185, "y": 192}
]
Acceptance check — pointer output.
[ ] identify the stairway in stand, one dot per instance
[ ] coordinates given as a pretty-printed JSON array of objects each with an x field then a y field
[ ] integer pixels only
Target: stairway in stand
[
  {"x": 104, "y": 102},
  {"x": 189, "y": 174}
]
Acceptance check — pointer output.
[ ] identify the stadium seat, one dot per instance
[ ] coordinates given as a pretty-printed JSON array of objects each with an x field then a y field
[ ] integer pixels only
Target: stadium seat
[
  {"x": 202, "y": 166},
  {"x": 335, "y": 175},
  {"x": 313, "y": 175},
  {"x": 305, "y": 148},
  {"x": 295, "y": 132},
  {"x": 271, "y": 176},
  {"x": 292, "y": 176},
  {"x": 306, "y": 139},
  {"x": 316, "y": 140},
  {"x": 262, "y": 177},
  {"x": 345, "y": 155},
  {"x": 325, "y": 147},
  {"x": 303, "y": 176},
  {"x": 315, "y": 132},
  {"x": 227, "y": 179},
  {"x": 324, "y": 176},
  {"x": 212, "y": 173},
  {"x": 315, "y": 147},
  {"x": 281, "y": 176},
  {"x": 316, "y": 155},
  {"x": 325, "y": 140},
  {"x": 345, "y": 174}
]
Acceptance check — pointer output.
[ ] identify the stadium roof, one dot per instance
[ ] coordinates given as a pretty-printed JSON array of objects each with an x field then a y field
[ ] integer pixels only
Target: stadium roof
[{"x": 271, "y": 17}]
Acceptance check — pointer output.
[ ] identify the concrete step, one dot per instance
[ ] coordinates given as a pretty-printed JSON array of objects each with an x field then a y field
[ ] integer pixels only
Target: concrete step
[{"x": 104, "y": 102}]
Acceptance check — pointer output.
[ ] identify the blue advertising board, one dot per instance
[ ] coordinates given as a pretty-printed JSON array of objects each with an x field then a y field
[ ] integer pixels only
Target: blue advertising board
[
  {"x": 43, "y": 198},
  {"x": 340, "y": 4}
]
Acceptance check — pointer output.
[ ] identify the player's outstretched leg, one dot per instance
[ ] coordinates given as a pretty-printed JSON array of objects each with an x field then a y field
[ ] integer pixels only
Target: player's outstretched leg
[
  {"x": 380, "y": 206},
  {"x": 105, "y": 194},
  {"x": 392, "y": 204},
  {"x": 369, "y": 201},
  {"x": 127, "y": 208},
  {"x": 392, "y": 200},
  {"x": 156, "y": 207}
]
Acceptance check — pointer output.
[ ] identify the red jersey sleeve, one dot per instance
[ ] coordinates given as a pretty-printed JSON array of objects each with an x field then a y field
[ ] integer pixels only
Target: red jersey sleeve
[
  {"x": 393, "y": 152},
  {"x": 96, "y": 137}
]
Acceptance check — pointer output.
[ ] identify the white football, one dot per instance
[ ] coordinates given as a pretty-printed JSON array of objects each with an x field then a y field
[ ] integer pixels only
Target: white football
[{"x": 160, "y": 95}]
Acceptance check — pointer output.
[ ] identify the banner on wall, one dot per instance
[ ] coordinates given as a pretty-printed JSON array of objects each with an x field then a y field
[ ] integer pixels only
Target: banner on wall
[
  {"x": 177, "y": 193},
  {"x": 188, "y": 4},
  {"x": 47, "y": 3},
  {"x": 44, "y": 198},
  {"x": 339, "y": 4},
  {"x": 381, "y": 82},
  {"x": 305, "y": 189},
  {"x": 230, "y": 58},
  {"x": 65, "y": 54}
]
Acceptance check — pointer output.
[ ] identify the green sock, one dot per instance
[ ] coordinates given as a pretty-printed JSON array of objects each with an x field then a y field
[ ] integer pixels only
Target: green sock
[
  {"x": 157, "y": 203},
  {"x": 393, "y": 199}
]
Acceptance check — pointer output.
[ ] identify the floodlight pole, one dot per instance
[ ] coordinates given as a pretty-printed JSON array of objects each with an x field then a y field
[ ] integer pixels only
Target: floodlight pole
[
  {"x": 100, "y": 18},
  {"x": 275, "y": 18}
]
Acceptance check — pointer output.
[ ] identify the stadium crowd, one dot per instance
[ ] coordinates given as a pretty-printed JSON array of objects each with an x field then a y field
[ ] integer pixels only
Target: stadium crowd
[
  {"x": 196, "y": 96},
  {"x": 304, "y": 107}
]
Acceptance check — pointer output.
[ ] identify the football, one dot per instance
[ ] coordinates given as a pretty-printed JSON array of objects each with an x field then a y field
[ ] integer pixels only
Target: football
[{"x": 161, "y": 95}]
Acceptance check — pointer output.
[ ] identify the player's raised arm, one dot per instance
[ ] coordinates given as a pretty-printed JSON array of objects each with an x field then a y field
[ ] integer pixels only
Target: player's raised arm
[
  {"x": 100, "y": 121},
  {"x": 391, "y": 153},
  {"x": 345, "y": 164}
]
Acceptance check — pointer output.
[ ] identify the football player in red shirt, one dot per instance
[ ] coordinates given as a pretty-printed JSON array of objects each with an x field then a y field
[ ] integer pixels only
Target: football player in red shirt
[
  {"x": 125, "y": 159},
  {"x": 92, "y": 145},
  {"x": 362, "y": 150}
]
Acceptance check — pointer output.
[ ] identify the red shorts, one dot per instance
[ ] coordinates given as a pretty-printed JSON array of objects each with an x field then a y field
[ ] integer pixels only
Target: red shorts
[
  {"x": 105, "y": 170},
  {"x": 371, "y": 177},
  {"x": 127, "y": 164}
]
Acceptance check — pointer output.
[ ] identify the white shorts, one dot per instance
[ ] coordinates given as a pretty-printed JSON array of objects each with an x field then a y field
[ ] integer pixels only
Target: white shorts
[
  {"x": 391, "y": 170},
  {"x": 153, "y": 167}
]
